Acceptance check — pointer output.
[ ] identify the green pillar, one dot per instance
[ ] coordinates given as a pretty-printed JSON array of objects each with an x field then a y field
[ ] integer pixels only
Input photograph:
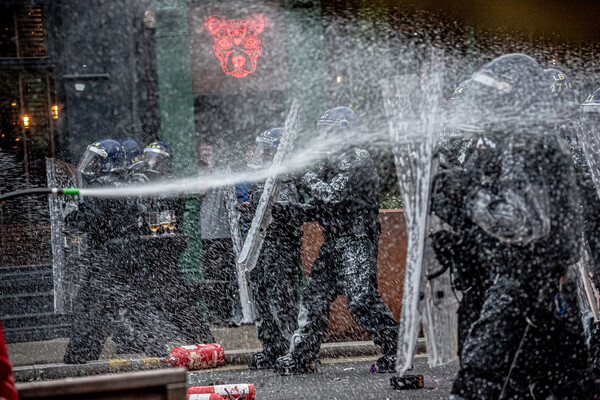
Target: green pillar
[
  {"x": 176, "y": 107},
  {"x": 306, "y": 60}
]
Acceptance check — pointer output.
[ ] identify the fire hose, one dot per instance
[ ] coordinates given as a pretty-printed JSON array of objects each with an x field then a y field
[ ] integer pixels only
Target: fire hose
[{"x": 38, "y": 191}]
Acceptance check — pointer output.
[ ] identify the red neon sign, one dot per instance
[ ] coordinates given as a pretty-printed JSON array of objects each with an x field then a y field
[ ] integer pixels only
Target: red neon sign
[{"x": 237, "y": 42}]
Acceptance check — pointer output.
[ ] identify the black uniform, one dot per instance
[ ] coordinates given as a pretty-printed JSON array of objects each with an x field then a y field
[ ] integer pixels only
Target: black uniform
[
  {"x": 591, "y": 225},
  {"x": 525, "y": 201},
  {"x": 346, "y": 199},
  {"x": 278, "y": 274},
  {"x": 108, "y": 224},
  {"x": 528, "y": 338},
  {"x": 461, "y": 248}
]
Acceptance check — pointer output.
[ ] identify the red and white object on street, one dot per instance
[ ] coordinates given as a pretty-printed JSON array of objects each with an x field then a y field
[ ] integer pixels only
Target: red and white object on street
[
  {"x": 236, "y": 390},
  {"x": 197, "y": 356},
  {"x": 206, "y": 396}
]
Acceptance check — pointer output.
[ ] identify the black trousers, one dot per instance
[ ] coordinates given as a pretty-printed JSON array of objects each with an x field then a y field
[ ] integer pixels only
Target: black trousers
[
  {"x": 502, "y": 349},
  {"x": 103, "y": 284},
  {"x": 347, "y": 266},
  {"x": 275, "y": 295}
]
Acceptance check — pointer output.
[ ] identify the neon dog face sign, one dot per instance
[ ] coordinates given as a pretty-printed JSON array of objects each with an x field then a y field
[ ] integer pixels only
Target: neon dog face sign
[{"x": 237, "y": 42}]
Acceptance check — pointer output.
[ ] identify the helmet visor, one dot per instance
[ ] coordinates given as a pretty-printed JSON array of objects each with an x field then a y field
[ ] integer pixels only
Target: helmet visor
[
  {"x": 263, "y": 155},
  {"x": 90, "y": 164},
  {"x": 590, "y": 110},
  {"x": 327, "y": 130},
  {"x": 157, "y": 160}
]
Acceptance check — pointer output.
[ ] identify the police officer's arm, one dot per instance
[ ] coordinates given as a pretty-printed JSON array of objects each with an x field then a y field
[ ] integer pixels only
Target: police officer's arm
[
  {"x": 516, "y": 208},
  {"x": 290, "y": 204},
  {"x": 341, "y": 185}
]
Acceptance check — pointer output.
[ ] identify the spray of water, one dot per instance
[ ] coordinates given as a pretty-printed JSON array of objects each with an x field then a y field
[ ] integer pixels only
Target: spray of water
[{"x": 314, "y": 152}]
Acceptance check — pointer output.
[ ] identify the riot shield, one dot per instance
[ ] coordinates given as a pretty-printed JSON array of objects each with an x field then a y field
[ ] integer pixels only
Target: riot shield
[
  {"x": 440, "y": 306},
  {"x": 250, "y": 251},
  {"x": 66, "y": 249},
  {"x": 588, "y": 289},
  {"x": 590, "y": 144},
  {"x": 412, "y": 107}
]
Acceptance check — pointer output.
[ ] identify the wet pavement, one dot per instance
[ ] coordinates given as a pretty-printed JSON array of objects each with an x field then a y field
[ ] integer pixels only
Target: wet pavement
[{"x": 342, "y": 378}]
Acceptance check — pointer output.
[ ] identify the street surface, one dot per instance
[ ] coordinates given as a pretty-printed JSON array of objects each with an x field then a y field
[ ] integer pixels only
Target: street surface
[{"x": 340, "y": 379}]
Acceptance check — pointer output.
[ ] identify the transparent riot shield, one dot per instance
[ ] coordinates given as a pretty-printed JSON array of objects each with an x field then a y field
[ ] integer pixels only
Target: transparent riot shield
[
  {"x": 66, "y": 248},
  {"x": 439, "y": 305},
  {"x": 590, "y": 144},
  {"x": 413, "y": 110},
  {"x": 250, "y": 251},
  {"x": 588, "y": 289}
]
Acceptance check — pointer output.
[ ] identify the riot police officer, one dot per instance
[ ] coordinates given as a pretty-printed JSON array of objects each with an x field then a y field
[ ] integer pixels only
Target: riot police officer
[
  {"x": 529, "y": 212},
  {"x": 279, "y": 267},
  {"x": 108, "y": 224},
  {"x": 346, "y": 198},
  {"x": 590, "y": 123}
]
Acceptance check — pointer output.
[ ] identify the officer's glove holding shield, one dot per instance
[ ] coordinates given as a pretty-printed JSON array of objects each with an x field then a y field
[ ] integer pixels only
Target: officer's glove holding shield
[{"x": 450, "y": 186}]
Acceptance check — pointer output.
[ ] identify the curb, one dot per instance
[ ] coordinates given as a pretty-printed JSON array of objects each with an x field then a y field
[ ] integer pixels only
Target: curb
[
  {"x": 233, "y": 357},
  {"x": 100, "y": 367}
]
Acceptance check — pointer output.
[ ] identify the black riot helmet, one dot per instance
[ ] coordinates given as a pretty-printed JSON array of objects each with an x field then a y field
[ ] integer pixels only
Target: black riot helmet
[
  {"x": 266, "y": 147},
  {"x": 341, "y": 119},
  {"x": 133, "y": 151},
  {"x": 338, "y": 125},
  {"x": 510, "y": 89},
  {"x": 100, "y": 158},
  {"x": 158, "y": 157},
  {"x": 562, "y": 92}
]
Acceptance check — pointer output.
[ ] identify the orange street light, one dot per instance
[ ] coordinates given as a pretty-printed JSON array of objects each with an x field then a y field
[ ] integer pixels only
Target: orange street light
[{"x": 26, "y": 121}]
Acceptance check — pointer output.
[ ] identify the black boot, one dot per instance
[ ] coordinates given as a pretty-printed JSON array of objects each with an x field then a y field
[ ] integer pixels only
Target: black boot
[
  {"x": 386, "y": 364},
  {"x": 262, "y": 361},
  {"x": 288, "y": 365}
]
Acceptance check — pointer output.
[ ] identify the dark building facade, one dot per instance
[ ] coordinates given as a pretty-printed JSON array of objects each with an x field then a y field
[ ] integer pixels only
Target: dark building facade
[{"x": 72, "y": 73}]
